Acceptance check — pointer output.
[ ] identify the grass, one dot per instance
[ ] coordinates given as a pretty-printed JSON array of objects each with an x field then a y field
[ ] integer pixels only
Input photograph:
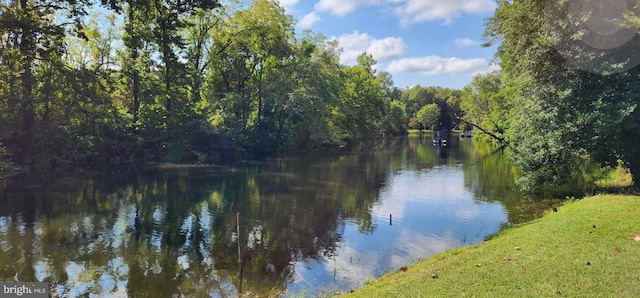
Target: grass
[
  {"x": 425, "y": 131},
  {"x": 590, "y": 248}
]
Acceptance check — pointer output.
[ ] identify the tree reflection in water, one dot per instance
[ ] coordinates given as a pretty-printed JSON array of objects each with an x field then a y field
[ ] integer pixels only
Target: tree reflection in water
[{"x": 172, "y": 230}]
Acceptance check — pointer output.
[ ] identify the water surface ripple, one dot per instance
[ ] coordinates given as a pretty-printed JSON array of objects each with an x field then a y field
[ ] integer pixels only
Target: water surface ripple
[{"x": 309, "y": 225}]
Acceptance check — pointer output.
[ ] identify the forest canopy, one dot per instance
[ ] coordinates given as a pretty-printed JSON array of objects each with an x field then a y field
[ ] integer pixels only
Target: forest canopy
[{"x": 119, "y": 82}]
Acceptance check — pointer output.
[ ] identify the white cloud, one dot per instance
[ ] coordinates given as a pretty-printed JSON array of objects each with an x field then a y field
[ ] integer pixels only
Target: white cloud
[
  {"x": 409, "y": 11},
  {"x": 386, "y": 48},
  {"x": 353, "y": 45},
  {"x": 466, "y": 42},
  {"x": 342, "y": 7},
  {"x": 356, "y": 43},
  {"x": 435, "y": 65},
  {"x": 288, "y": 3},
  {"x": 489, "y": 69},
  {"x": 307, "y": 21},
  {"x": 416, "y": 11}
]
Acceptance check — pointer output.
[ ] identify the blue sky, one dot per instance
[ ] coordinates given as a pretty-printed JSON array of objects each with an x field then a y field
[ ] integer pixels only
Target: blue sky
[{"x": 425, "y": 42}]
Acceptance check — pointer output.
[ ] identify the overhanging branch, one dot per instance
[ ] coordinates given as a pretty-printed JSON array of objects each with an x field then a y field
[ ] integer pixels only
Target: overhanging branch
[{"x": 492, "y": 135}]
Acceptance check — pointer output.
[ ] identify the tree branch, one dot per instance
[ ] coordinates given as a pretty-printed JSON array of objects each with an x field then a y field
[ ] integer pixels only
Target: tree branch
[{"x": 492, "y": 135}]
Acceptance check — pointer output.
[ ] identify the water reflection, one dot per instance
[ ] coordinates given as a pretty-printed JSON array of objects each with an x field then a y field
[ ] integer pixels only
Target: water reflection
[{"x": 308, "y": 225}]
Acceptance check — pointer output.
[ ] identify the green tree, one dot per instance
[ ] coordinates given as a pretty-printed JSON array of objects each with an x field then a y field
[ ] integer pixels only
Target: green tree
[
  {"x": 415, "y": 98},
  {"x": 396, "y": 119},
  {"x": 135, "y": 61},
  {"x": 413, "y": 123},
  {"x": 197, "y": 34},
  {"x": 564, "y": 105},
  {"x": 362, "y": 102},
  {"x": 486, "y": 105},
  {"x": 448, "y": 100},
  {"x": 316, "y": 94},
  {"x": 250, "y": 42},
  {"x": 179, "y": 81},
  {"x": 428, "y": 115},
  {"x": 31, "y": 32},
  {"x": 169, "y": 21}
]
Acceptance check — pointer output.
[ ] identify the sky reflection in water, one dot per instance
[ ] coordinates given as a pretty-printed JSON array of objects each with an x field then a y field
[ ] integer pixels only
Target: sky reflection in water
[
  {"x": 309, "y": 225},
  {"x": 431, "y": 211}
]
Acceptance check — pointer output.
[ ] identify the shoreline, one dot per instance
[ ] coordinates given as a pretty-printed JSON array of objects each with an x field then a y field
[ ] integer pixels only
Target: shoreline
[{"x": 590, "y": 247}]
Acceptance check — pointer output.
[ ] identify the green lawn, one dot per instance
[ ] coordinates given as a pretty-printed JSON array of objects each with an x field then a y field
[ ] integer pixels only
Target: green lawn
[{"x": 590, "y": 248}]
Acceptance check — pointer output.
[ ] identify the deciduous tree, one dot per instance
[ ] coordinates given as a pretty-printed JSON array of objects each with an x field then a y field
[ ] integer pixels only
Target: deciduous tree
[
  {"x": 428, "y": 115},
  {"x": 569, "y": 98}
]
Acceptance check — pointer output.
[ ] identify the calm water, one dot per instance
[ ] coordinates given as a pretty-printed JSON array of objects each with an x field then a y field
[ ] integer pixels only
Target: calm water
[{"x": 309, "y": 225}]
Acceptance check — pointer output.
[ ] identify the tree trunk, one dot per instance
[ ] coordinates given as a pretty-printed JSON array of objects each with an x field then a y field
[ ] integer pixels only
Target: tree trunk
[
  {"x": 166, "y": 53},
  {"x": 27, "y": 102},
  {"x": 136, "y": 96},
  {"x": 135, "y": 76},
  {"x": 259, "y": 99}
]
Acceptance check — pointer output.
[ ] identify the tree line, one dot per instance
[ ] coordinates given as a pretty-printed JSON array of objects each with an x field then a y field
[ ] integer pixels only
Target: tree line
[
  {"x": 197, "y": 81},
  {"x": 184, "y": 81}
]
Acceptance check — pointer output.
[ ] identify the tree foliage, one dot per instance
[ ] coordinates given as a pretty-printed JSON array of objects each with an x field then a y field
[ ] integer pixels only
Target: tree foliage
[
  {"x": 32, "y": 44},
  {"x": 179, "y": 81},
  {"x": 568, "y": 100},
  {"x": 487, "y": 105},
  {"x": 448, "y": 101},
  {"x": 396, "y": 121},
  {"x": 428, "y": 115}
]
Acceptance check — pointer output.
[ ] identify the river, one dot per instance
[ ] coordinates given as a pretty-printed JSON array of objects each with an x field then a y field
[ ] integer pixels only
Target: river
[{"x": 310, "y": 225}]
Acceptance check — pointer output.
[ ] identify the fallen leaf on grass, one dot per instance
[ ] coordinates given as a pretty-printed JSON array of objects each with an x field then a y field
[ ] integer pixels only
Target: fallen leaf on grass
[
  {"x": 517, "y": 248},
  {"x": 617, "y": 249},
  {"x": 434, "y": 276},
  {"x": 636, "y": 238},
  {"x": 509, "y": 259}
]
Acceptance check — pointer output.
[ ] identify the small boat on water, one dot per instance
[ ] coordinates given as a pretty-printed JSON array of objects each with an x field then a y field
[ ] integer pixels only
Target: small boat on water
[
  {"x": 466, "y": 134},
  {"x": 439, "y": 141}
]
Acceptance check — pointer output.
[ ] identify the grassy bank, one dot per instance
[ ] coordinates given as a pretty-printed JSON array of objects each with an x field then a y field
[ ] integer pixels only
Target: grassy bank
[
  {"x": 590, "y": 248},
  {"x": 416, "y": 132}
]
